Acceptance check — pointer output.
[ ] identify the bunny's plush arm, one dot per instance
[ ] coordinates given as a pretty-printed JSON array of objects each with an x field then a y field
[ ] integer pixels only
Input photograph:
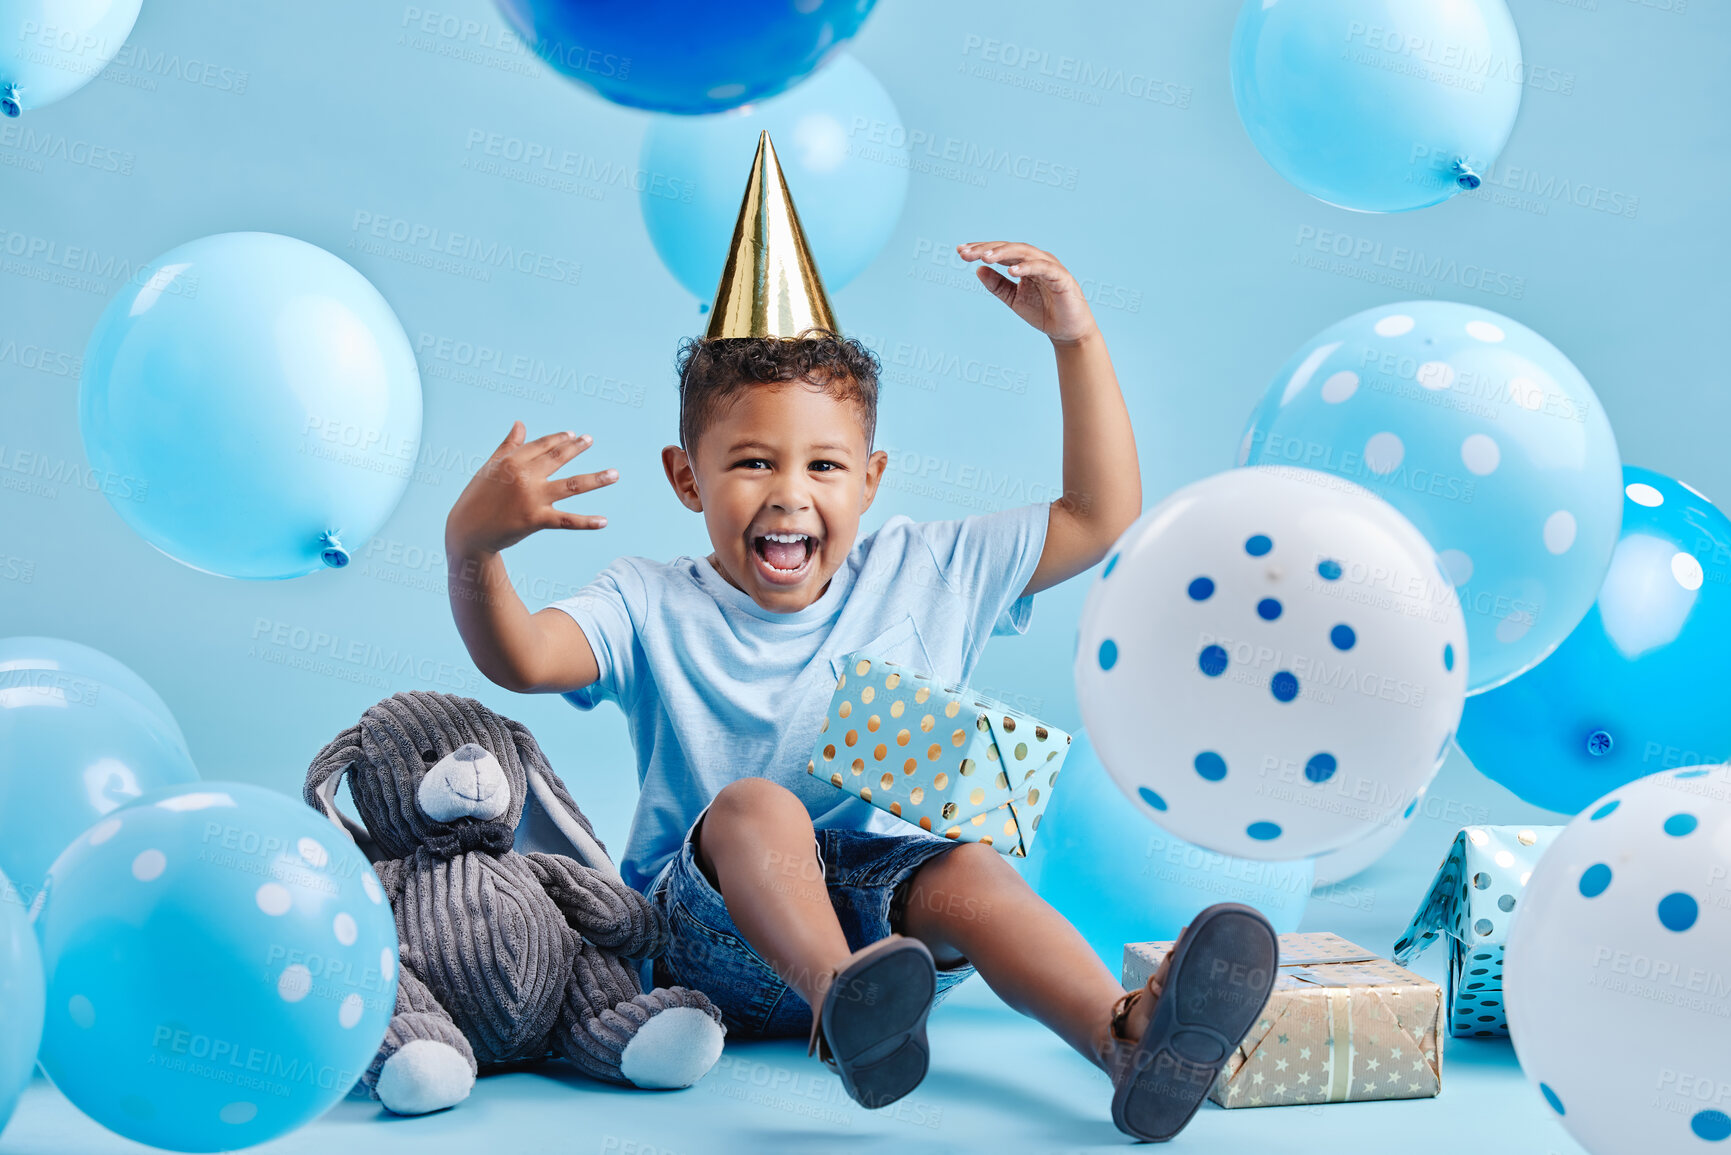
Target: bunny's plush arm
[
  {"x": 601, "y": 907},
  {"x": 390, "y": 872}
]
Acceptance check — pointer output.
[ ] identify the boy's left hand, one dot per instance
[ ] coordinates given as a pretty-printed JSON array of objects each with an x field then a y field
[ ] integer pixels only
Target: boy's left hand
[{"x": 1046, "y": 296}]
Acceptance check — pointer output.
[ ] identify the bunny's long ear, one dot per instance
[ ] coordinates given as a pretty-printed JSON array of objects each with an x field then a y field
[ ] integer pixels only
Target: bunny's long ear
[
  {"x": 551, "y": 822},
  {"x": 323, "y": 778}
]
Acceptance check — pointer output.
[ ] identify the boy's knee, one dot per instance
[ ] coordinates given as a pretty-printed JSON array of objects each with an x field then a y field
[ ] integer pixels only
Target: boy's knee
[
  {"x": 756, "y": 802},
  {"x": 747, "y": 807},
  {"x": 971, "y": 861}
]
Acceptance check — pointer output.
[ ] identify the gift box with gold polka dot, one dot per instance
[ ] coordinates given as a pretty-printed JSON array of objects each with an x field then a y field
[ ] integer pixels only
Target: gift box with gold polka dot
[
  {"x": 948, "y": 760},
  {"x": 1341, "y": 1026}
]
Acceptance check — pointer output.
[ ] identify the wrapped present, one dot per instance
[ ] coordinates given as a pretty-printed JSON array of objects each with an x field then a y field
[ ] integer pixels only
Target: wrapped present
[
  {"x": 1341, "y": 1025},
  {"x": 949, "y": 760},
  {"x": 1471, "y": 903}
]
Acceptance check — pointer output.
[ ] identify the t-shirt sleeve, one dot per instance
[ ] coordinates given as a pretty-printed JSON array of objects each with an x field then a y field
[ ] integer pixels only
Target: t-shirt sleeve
[
  {"x": 607, "y": 610},
  {"x": 986, "y": 561}
]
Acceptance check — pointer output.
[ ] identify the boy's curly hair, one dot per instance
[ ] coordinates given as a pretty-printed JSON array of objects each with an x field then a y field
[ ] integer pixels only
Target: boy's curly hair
[{"x": 713, "y": 372}]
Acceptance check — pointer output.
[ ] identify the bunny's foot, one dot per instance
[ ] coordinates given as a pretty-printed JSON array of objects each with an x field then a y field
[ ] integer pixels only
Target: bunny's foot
[
  {"x": 614, "y": 1030},
  {"x": 676, "y": 1045},
  {"x": 423, "y": 1065}
]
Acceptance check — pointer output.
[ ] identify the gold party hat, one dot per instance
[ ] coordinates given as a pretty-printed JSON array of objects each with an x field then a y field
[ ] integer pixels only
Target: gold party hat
[{"x": 770, "y": 287}]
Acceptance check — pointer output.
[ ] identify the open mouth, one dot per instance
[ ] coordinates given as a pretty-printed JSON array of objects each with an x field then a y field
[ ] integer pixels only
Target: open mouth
[{"x": 784, "y": 558}]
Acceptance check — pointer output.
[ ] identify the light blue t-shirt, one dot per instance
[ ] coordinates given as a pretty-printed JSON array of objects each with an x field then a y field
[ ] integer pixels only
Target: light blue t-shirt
[{"x": 717, "y": 688}]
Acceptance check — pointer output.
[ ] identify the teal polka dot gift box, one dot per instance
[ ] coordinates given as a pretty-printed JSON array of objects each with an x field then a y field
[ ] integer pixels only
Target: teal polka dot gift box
[
  {"x": 950, "y": 761},
  {"x": 1471, "y": 903}
]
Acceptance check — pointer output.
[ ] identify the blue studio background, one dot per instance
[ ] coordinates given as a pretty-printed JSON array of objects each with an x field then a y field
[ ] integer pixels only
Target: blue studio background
[{"x": 1601, "y": 227}]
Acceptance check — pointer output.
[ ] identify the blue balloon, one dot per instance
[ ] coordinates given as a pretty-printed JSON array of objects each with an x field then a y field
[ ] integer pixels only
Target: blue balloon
[
  {"x": 59, "y": 657},
  {"x": 1486, "y": 438},
  {"x": 20, "y": 998},
  {"x": 71, "y": 751},
  {"x": 1378, "y": 105},
  {"x": 252, "y": 406},
  {"x": 51, "y": 48},
  {"x": 848, "y": 182},
  {"x": 686, "y": 56},
  {"x": 221, "y": 967},
  {"x": 1119, "y": 878},
  {"x": 1639, "y": 686}
]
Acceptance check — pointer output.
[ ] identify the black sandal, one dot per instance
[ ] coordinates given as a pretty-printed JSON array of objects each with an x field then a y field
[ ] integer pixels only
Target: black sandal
[
  {"x": 1220, "y": 974},
  {"x": 871, "y": 1028}
]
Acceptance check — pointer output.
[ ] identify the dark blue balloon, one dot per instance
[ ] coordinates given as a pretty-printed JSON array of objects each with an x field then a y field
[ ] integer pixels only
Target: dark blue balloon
[
  {"x": 1638, "y": 686},
  {"x": 686, "y": 56}
]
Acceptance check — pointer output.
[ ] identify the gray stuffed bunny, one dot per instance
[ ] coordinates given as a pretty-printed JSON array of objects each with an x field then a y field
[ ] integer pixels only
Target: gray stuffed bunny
[{"x": 507, "y": 958}]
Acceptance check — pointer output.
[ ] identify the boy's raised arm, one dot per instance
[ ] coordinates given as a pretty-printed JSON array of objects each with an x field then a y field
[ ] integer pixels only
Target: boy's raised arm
[
  {"x": 509, "y": 498},
  {"x": 1102, "y": 478}
]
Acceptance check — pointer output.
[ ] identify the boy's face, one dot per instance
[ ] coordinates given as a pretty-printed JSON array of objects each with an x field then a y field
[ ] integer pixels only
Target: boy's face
[{"x": 781, "y": 477}]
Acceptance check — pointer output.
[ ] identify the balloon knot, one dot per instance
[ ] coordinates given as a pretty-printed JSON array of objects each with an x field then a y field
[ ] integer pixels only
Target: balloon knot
[
  {"x": 1466, "y": 177},
  {"x": 331, "y": 550},
  {"x": 1599, "y": 743},
  {"x": 11, "y": 100}
]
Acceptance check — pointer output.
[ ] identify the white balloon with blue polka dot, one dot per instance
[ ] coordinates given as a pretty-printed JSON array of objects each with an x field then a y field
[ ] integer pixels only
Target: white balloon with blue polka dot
[
  {"x": 1272, "y": 663},
  {"x": 1617, "y": 972},
  {"x": 1481, "y": 432}
]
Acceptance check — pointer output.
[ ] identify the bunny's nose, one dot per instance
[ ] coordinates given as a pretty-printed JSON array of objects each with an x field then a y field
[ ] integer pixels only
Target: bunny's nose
[{"x": 466, "y": 783}]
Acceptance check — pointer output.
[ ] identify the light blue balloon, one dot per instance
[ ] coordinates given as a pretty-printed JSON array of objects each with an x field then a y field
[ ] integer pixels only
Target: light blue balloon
[
  {"x": 1119, "y": 878},
  {"x": 221, "y": 966},
  {"x": 72, "y": 751},
  {"x": 59, "y": 656},
  {"x": 844, "y": 153},
  {"x": 1486, "y": 438},
  {"x": 1639, "y": 686},
  {"x": 251, "y": 405},
  {"x": 51, "y": 48},
  {"x": 20, "y": 998},
  {"x": 1378, "y": 105}
]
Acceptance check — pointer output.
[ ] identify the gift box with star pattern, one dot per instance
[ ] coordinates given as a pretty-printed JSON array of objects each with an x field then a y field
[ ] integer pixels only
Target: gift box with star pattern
[
  {"x": 950, "y": 761},
  {"x": 1471, "y": 902},
  {"x": 1342, "y": 1025}
]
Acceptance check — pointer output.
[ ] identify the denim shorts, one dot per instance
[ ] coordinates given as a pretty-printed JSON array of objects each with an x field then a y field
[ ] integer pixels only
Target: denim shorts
[{"x": 861, "y": 869}]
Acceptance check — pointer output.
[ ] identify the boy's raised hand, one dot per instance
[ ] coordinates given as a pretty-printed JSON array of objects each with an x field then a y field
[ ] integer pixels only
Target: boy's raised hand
[
  {"x": 1046, "y": 296},
  {"x": 512, "y": 495}
]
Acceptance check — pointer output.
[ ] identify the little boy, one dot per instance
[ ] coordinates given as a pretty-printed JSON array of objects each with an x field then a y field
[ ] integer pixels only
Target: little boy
[{"x": 724, "y": 667}]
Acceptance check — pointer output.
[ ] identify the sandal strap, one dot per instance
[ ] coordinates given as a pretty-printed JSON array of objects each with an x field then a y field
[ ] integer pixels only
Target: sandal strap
[
  {"x": 816, "y": 1032},
  {"x": 818, "y": 1045},
  {"x": 1120, "y": 1012}
]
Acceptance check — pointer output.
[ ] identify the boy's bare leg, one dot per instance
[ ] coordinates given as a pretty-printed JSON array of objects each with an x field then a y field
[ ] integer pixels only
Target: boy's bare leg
[
  {"x": 968, "y": 904},
  {"x": 755, "y": 845}
]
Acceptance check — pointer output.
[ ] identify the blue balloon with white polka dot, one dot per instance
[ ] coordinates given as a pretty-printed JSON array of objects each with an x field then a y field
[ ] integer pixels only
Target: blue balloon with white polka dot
[
  {"x": 1639, "y": 685},
  {"x": 221, "y": 966},
  {"x": 1486, "y": 437},
  {"x": 1119, "y": 877},
  {"x": 1614, "y": 973}
]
